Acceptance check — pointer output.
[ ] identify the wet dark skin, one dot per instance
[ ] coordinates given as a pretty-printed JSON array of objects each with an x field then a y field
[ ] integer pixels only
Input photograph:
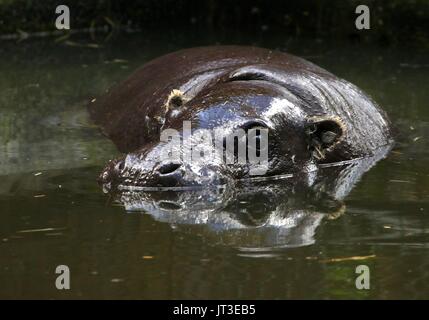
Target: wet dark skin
[
  {"x": 256, "y": 214},
  {"x": 312, "y": 116}
]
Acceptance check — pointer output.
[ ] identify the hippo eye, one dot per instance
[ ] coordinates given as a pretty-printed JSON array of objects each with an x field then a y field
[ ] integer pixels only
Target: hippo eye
[
  {"x": 236, "y": 147},
  {"x": 254, "y": 125},
  {"x": 254, "y": 139}
]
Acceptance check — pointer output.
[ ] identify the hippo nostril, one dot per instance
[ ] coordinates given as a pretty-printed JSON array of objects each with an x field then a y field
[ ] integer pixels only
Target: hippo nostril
[
  {"x": 170, "y": 167},
  {"x": 119, "y": 166}
]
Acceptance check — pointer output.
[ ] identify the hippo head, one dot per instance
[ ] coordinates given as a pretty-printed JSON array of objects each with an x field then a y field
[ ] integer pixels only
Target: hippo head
[{"x": 243, "y": 126}]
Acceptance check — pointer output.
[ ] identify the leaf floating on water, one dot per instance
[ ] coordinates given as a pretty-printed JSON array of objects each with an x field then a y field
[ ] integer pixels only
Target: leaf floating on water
[
  {"x": 40, "y": 230},
  {"x": 400, "y": 181},
  {"x": 71, "y": 43},
  {"x": 110, "y": 21},
  {"x": 119, "y": 61},
  {"x": 83, "y": 45},
  {"x": 93, "y": 45},
  {"x": 62, "y": 38},
  {"x": 413, "y": 65},
  {"x": 147, "y": 257},
  {"x": 354, "y": 258},
  {"x": 310, "y": 258}
]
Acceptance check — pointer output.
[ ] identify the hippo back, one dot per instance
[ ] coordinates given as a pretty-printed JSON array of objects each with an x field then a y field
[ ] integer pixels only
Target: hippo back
[{"x": 131, "y": 113}]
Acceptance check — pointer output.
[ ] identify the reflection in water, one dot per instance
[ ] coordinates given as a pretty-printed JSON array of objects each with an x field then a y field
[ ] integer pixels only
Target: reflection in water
[
  {"x": 257, "y": 215},
  {"x": 42, "y": 130}
]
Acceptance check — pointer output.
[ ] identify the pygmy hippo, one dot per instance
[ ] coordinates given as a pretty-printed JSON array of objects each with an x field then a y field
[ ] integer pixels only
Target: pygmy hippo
[{"x": 311, "y": 116}]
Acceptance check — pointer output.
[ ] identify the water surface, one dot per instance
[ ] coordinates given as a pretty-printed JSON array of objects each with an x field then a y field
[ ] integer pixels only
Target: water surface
[{"x": 52, "y": 211}]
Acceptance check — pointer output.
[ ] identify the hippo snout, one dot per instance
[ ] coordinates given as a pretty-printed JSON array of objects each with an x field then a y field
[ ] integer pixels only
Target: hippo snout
[
  {"x": 111, "y": 173},
  {"x": 145, "y": 170}
]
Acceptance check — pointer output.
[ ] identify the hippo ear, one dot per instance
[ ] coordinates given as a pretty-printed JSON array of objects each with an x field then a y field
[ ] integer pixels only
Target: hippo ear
[
  {"x": 175, "y": 100},
  {"x": 324, "y": 133}
]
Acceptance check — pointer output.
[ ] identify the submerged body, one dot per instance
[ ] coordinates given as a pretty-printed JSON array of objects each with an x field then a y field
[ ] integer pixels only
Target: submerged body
[{"x": 312, "y": 117}]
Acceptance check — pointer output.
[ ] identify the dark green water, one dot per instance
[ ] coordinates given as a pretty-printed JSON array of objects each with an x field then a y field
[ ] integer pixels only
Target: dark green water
[{"x": 52, "y": 212}]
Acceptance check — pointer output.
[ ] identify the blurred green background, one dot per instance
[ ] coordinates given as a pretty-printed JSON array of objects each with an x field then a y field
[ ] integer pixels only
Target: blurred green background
[{"x": 392, "y": 21}]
